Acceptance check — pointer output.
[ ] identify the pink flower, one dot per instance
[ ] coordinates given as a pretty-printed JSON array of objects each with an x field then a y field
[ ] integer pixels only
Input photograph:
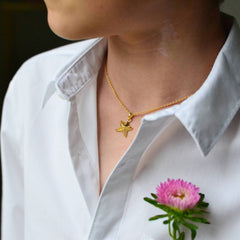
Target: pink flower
[{"x": 178, "y": 194}]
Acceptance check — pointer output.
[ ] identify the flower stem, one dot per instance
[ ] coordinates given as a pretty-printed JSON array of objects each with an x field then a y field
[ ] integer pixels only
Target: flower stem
[
  {"x": 172, "y": 235},
  {"x": 169, "y": 227}
]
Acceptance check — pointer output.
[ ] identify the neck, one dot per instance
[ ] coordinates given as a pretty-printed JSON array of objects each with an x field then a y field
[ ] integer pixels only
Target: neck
[{"x": 171, "y": 59}]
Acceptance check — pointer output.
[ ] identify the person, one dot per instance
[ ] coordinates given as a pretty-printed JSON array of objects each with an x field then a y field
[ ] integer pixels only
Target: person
[{"x": 91, "y": 128}]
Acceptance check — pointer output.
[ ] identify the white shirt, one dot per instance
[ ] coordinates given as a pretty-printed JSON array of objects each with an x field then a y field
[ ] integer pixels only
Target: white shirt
[{"x": 50, "y": 154}]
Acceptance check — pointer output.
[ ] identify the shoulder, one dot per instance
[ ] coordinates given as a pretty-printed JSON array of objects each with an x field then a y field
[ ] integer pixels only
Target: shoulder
[
  {"x": 30, "y": 84},
  {"x": 47, "y": 64},
  {"x": 37, "y": 72}
]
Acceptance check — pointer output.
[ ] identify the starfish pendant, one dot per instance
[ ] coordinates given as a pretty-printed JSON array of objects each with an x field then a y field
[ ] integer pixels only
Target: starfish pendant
[{"x": 124, "y": 128}]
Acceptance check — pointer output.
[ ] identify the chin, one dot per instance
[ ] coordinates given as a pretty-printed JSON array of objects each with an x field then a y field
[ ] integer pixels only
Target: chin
[
  {"x": 60, "y": 28},
  {"x": 65, "y": 34},
  {"x": 70, "y": 31}
]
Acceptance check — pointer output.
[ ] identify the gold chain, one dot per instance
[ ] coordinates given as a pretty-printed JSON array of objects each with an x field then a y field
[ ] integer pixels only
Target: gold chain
[{"x": 124, "y": 126}]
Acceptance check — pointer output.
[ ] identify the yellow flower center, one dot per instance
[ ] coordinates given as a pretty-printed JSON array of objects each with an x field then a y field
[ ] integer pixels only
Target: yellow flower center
[{"x": 179, "y": 195}]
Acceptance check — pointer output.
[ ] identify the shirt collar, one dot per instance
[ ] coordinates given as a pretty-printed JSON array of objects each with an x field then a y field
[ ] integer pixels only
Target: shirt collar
[
  {"x": 208, "y": 113},
  {"x": 205, "y": 115},
  {"x": 76, "y": 73}
]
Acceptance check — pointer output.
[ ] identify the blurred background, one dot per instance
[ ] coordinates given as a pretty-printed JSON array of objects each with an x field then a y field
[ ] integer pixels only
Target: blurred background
[{"x": 24, "y": 32}]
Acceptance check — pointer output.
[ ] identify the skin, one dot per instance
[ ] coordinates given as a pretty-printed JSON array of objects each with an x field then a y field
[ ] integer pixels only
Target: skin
[{"x": 163, "y": 47}]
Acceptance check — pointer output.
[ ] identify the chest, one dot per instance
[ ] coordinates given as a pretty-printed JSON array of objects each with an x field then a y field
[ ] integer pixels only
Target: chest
[
  {"x": 62, "y": 186},
  {"x": 112, "y": 145},
  {"x": 54, "y": 197}
]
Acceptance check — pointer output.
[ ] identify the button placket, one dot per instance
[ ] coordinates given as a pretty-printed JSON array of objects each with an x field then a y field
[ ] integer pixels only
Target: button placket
[
  {"x": 81, "y": 163},
  {"x": 114, "y": 195}
]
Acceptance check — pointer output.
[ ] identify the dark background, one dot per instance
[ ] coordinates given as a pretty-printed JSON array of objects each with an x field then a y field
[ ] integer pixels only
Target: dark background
[{"x": 24, "y": 32}]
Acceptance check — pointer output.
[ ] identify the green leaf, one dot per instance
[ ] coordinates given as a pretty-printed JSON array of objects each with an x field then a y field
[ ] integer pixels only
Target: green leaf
[
  {"x": 197, "y": 219},
  {"x": 158, "y": 205},
  {"x": 166, "y": 221},
  {"x": 182, "y": 236},
  {"x": 193, "y": 233},
  {"x": 189, "y": 225},
  {"x": 166, "y": 209},
  {"x": 151, "y": 201},
  {"x": 202, "y": 204},
  {"x": 154, "y": 195},
  {"x": 202, "y": 196},
  {"x": 176, "y": 225},
  {"x": 193, "y": 228},
  {"x": 158, "y": 217},
  {"x": 195, "y": 211}
]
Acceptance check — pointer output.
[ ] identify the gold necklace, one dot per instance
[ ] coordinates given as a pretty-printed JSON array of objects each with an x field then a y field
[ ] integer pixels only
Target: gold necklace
[{"x": 125, "y": 126}]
